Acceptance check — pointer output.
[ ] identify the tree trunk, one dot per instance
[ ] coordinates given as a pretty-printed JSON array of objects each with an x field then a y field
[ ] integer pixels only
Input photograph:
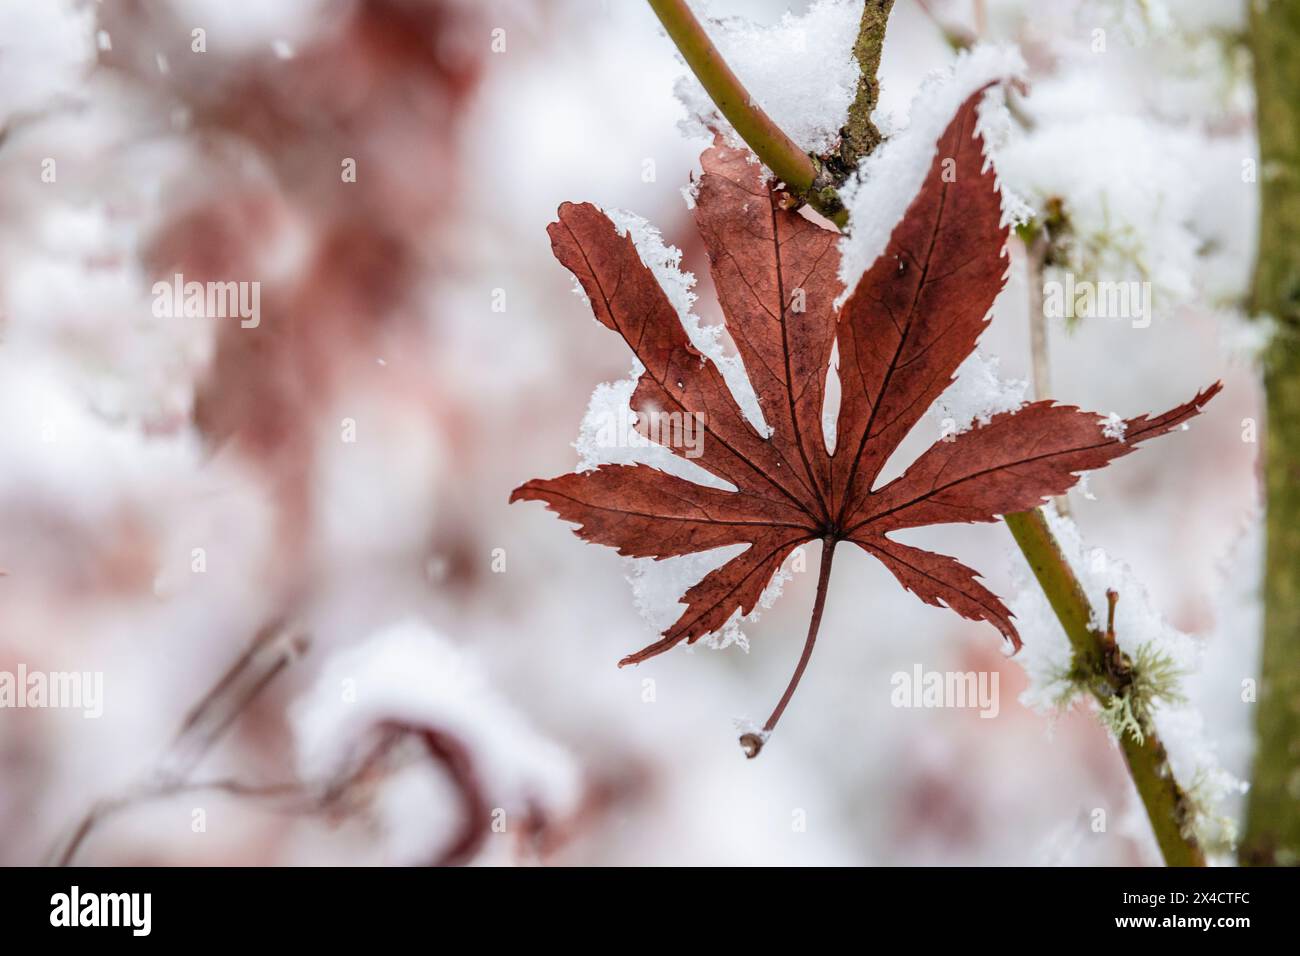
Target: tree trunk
[{"x": 1272, "y": 834}]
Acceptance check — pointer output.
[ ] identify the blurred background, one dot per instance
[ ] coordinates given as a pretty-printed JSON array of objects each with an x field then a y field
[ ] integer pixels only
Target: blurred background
[{"x": 325, "y": 638}]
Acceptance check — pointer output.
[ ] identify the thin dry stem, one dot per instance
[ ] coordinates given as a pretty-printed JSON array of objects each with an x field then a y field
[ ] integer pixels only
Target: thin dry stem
[{"x": 753, "y": 742}]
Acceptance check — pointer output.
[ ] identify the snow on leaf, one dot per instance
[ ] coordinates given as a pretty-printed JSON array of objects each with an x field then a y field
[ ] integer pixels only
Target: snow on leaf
[
  {"x": 878, "y": 195},
  {"x": 977, "y": 395},
  {"x": 1113, "y": 426}
]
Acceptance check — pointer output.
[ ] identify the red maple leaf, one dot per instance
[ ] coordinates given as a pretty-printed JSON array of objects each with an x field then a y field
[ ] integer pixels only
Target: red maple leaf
[{"x": 910, "y": 322}]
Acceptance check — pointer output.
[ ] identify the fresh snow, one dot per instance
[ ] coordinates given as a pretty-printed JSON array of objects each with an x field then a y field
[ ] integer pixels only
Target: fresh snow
[
  {"x": 976, "y": 395},
  {"x": 409, "y": 674},
  {"x": 801, "y": 71},
  {"x": 888, "y": 180},
  {"x": 1139, "y": 629}
]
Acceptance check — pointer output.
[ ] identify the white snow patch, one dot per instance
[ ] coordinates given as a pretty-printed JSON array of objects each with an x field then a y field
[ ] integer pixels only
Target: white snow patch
[
  {"x": 608, "y": 436},
  {"x": 1114, "y": 426},
  {"x": 1125, "y": 185},
  {"x": 245, "y": 27},
  {"x": 976, "y": 395},
  {"x": 49, "y": 46},
  {"x": 801, "y": 71},
  {"x": 407, "y": 673},
  {"x": 665, "y": 262},
  {"x": 888, "y": 180},
  {"x": 690, "y": 193},
  {"x": 1047, "y": 656},
  {"x": 658, "y": 585}
]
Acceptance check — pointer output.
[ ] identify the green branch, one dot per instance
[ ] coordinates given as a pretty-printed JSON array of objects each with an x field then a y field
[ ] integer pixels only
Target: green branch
[
  {"x": 1103, "y": 669},
  {"x": 802, "y": 174}
]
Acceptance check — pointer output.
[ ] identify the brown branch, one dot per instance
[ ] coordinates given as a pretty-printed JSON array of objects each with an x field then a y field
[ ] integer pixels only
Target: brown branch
[
  {"x": 299, "y": 798},
  {"x": 859, "y": 135},
  {"x": 476, "y": 812},
  {"x": 272, "y": 649},
  {"x": 106, "y": 809}
]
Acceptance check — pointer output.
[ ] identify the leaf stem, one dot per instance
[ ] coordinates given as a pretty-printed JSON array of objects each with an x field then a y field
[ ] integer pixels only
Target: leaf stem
[{"x": 753, "y": 742}]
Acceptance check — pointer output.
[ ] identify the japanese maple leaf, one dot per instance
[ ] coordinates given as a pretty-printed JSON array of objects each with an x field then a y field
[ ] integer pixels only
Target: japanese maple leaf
[{"x": 909, "y": 323}]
